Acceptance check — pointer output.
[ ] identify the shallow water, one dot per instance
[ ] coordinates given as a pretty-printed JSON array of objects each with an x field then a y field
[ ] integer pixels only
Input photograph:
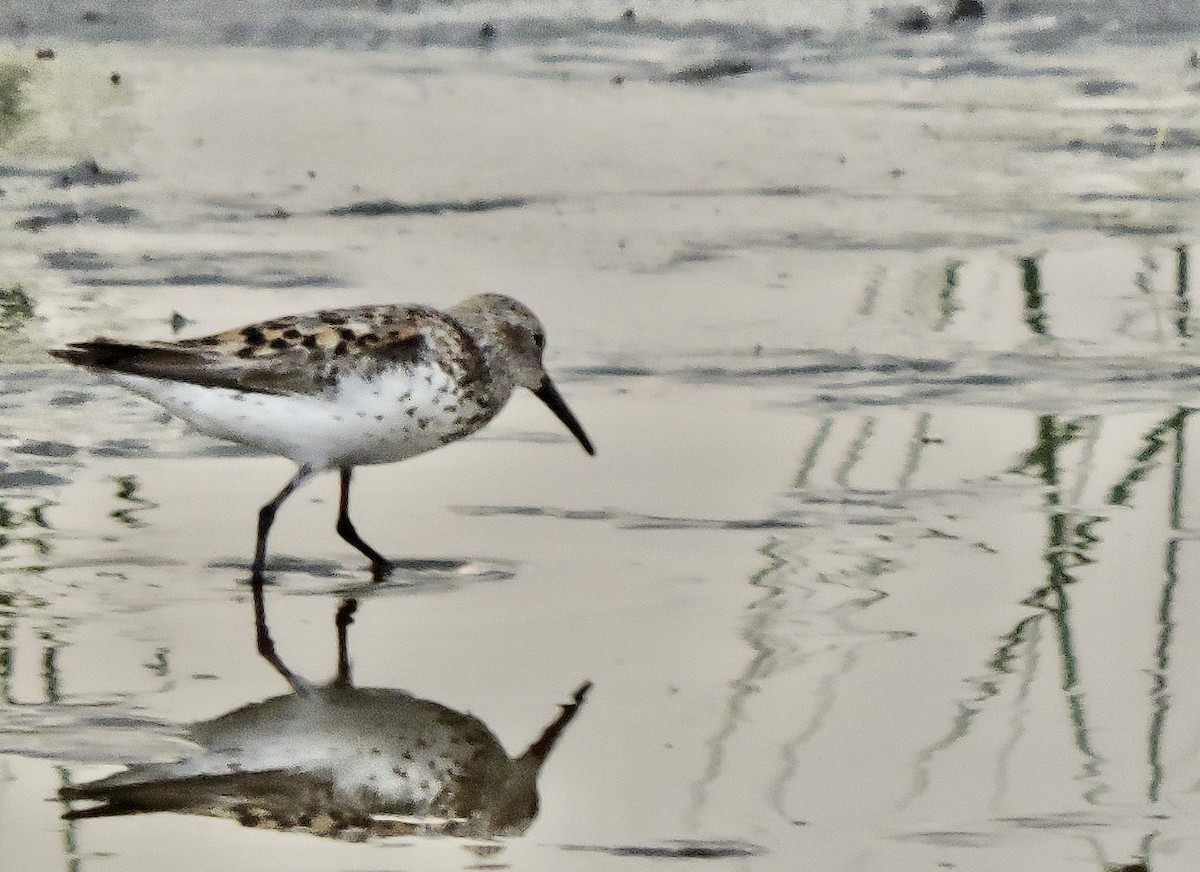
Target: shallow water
[{"x": 887, "y": 345}]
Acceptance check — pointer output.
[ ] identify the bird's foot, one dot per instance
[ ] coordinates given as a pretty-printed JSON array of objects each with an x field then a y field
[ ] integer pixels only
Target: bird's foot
[{"x": 381, "y": 570}]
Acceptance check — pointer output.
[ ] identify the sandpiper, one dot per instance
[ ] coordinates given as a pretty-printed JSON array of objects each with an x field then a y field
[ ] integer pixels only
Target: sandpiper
[{"x": 339, "y": 388}]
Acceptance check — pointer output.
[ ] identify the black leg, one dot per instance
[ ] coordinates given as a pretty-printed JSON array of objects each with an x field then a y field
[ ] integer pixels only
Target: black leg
[
  {"x": 380, "y": 565},
  {"x": 343, "y": 620},
  {"x": 266, "y": 517},
  {"x": 266, "y": 647}
]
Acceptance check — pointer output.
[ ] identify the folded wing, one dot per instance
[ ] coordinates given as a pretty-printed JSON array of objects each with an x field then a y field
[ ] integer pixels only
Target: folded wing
[{"x": 296, "y": 356}]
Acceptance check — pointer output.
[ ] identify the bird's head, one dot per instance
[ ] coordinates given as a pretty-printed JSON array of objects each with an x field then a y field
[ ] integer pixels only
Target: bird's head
[{"x": 514, "y": 341}]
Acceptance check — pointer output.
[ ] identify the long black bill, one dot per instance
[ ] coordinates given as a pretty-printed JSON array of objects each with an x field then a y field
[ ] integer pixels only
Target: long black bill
[{"x": 549, "y": 395}]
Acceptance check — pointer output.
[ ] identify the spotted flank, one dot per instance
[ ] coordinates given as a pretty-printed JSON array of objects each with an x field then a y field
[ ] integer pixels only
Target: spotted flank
[{"x": 340, "y": 388}]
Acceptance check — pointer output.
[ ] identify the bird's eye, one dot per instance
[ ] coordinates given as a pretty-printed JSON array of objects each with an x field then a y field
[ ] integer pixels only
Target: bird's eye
[{"x": 539, "y": 340}]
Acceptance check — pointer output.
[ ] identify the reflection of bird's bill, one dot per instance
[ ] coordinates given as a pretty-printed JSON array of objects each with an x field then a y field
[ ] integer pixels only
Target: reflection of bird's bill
[{"x": 549, "y": 395}]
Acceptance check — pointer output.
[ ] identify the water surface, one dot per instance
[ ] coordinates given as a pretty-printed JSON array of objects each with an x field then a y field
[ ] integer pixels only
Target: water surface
[{"x": 886, "y": 341}]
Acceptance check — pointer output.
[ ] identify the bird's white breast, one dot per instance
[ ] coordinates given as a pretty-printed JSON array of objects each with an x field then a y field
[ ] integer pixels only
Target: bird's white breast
[{"x": 394, "y": 415}]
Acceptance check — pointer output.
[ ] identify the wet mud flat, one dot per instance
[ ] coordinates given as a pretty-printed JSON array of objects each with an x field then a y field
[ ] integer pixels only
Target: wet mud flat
[{"x": 886, "y": 558}]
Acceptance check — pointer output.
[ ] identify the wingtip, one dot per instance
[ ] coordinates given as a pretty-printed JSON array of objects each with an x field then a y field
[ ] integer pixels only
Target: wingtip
[{"x": 104, "y": 353}]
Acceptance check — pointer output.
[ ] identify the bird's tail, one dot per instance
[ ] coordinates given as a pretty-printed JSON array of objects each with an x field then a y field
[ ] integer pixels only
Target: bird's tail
[{"x": 101, "y": 353}]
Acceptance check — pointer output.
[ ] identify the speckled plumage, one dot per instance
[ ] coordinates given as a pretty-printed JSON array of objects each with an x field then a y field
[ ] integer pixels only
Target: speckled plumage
[{"x": 341, "y": 388}]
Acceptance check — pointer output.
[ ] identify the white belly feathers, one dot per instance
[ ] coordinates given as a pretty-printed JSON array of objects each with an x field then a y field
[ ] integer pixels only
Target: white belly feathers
[{"x": 381, "y": 420}]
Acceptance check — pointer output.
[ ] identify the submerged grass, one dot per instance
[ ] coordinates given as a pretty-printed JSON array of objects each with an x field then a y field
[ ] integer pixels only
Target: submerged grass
[
  {"x": 16, "y": 306},
  {"x": 12, "y": 99}
]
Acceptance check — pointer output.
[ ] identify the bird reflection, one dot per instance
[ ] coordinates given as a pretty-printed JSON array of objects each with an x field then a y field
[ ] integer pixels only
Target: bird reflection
[{"x": 339, "y": 761}]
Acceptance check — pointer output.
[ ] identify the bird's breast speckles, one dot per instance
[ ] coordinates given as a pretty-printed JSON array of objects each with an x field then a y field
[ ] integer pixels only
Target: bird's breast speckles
[{"x": 405, "y": 410}]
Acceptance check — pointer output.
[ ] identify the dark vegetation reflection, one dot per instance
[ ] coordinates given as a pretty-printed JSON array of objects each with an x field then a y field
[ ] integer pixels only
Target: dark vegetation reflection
[
  {"x": 1071, "y": 537},
  {"x": 1035, "y": 294},
  {"x": 339, "y": 761},
  {"x": 1045, "y": 637},
  {"x": 1059, "y": 458}
]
